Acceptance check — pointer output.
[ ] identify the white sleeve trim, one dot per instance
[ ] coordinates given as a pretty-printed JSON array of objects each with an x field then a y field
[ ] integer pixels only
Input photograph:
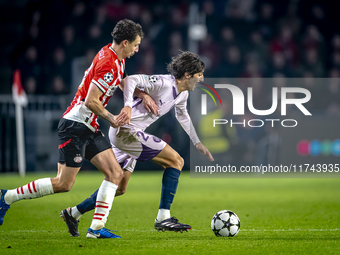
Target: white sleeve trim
[{"x": 98, "y": 85}]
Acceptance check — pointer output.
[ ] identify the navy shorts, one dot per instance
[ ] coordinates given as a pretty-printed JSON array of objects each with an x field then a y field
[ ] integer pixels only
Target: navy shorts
[{"x": 77, "y": 141}]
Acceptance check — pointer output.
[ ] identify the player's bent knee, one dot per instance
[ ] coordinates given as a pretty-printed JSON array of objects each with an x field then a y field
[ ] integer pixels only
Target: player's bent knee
[
  {"x": 118, "y": 173},
  {"x": 120, "y": 191},
  {"x": 60, "y": 186},
  {"x": 115, "y": 174},
  {"x": 66, "y": 186},
  {"x": 180, "y": 162},
  {"x": 177, "y": 162}
]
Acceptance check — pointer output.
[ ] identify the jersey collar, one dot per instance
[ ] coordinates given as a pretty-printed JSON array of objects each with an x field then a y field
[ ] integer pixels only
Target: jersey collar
[{"x": 110, "y": 47}]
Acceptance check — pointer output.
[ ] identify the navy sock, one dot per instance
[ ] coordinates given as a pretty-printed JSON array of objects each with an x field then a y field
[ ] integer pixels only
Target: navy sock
[
  {"x": 88, "y": 204},
  {"x": 169, "y": 187}
]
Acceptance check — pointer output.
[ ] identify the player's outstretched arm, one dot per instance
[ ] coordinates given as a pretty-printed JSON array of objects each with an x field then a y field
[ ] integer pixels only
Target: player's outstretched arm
[
  {"x": 205, "y": 151},
  {"x": 184, "y": 119},
  {"x": 148, "y": 102},
  {"x": 93, "y": 103},
  {"x": 129, "y": 86}
]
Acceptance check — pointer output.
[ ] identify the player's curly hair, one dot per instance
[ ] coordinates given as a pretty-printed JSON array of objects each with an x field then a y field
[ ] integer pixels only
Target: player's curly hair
[
  {"x": 126, "y": 30},
  {"x": 185, "y": 62}
]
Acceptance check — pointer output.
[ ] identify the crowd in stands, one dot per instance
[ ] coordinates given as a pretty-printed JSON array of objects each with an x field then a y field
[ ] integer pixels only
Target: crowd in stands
[{"x": 246, "y": 39}]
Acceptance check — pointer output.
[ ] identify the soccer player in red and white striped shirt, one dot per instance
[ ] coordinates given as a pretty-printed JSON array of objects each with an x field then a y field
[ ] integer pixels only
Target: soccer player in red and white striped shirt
[{"x": 79, "y": 134}]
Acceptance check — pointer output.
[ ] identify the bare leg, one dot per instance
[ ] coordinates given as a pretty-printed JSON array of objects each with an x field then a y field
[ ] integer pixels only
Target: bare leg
[
  {"x": 65, "y": 178},
  {"x": 168, "y": 157},
  {"x": 63, "y": 182}
]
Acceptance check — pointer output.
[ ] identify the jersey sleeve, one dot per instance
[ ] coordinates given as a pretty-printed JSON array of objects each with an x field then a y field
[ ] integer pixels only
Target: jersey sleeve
[
  {"x": 184, "y": 119},
  {"x": 143, "y": 82},
  {"x": 104, "y": 76}
]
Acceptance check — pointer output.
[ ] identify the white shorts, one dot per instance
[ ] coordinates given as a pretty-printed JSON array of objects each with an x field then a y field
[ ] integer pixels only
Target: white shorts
[
  {"x": 125, "y": 161},
  {"x": 134, "y": 143}
]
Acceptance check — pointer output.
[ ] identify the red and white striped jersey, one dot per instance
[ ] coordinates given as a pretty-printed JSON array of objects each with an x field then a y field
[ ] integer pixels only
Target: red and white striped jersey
[{"x": 106, "y": 72}]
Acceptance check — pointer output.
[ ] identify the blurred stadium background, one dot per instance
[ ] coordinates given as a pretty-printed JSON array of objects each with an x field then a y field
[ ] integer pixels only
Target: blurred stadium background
[{"x": 53, "y": 42}]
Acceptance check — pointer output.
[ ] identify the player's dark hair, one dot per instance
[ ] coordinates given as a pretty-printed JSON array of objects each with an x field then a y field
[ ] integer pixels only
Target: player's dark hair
[
  {"x": 185, "y": 62},
  {"x": 126, "y": 30}
]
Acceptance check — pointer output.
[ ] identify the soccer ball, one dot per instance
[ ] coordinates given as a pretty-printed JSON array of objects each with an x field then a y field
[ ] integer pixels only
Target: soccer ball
[{"x": 225, "y": 223}]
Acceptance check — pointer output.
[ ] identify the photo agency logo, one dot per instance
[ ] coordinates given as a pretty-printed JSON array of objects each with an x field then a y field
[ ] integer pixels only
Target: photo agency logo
[
  {"x": 288, "y": 96},
  {"x": 204, "y": 97},
  {"x": 266, "y": 127}
]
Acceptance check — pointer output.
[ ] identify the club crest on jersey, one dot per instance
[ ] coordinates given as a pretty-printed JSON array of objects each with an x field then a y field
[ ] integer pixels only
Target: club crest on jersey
[
  {"x": 108, "y": 77},
  {"x": 153, "y": 79},
  {"x": 78, "y": 159}
]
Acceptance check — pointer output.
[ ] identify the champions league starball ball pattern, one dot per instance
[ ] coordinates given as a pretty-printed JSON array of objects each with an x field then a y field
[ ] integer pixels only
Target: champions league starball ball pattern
[{"x": 225, "y": 223}]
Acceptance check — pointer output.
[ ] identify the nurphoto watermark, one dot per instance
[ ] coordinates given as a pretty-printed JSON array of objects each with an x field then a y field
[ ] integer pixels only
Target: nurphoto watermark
[{"x": 266, "y": 127}]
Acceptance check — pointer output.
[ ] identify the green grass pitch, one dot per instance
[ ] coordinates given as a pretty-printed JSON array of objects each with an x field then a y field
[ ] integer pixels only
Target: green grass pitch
[{"x": 278, "y": 216}]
